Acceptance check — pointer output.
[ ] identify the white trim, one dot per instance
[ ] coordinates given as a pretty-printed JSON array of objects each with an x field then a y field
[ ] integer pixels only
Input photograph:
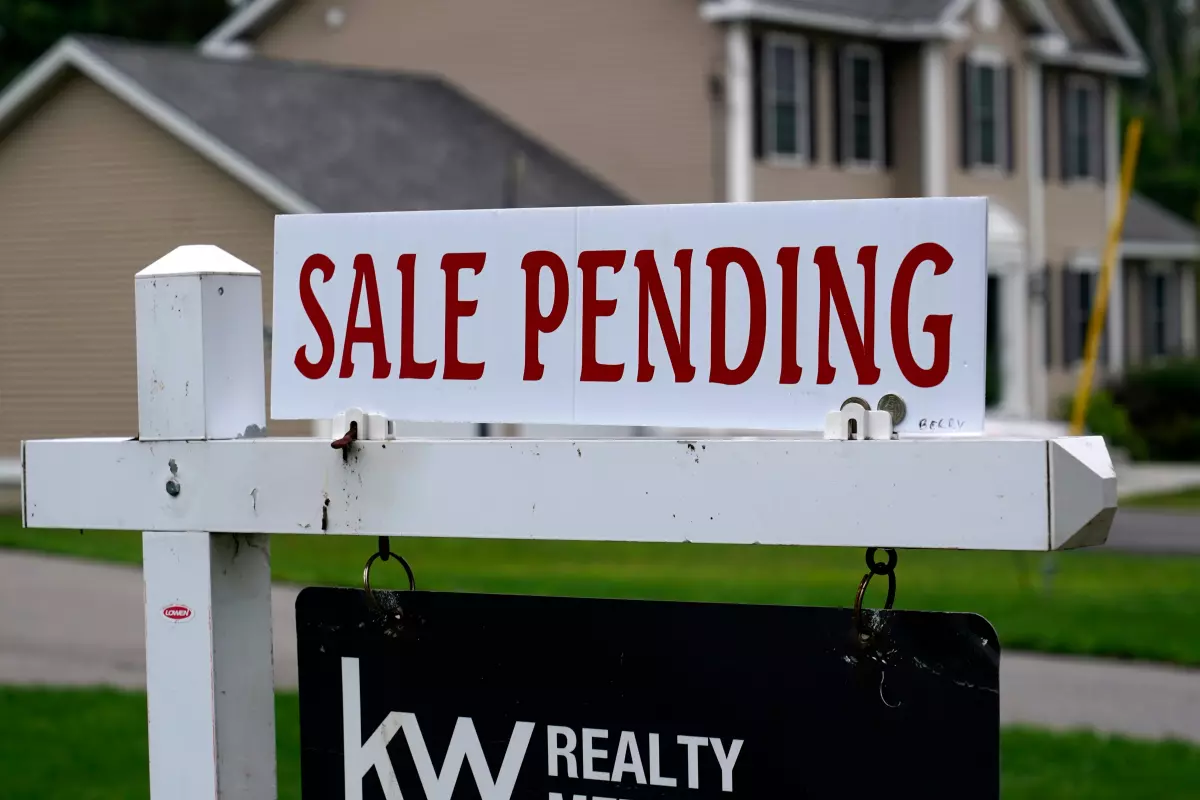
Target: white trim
[
  {"x": 874, "y": 56},
  {"x": 70, "y": 53},
  {"x": 1180, "y": 251},
  {"x": 1116, "y": 298},
  {"x": 1036, "y": 266},
  {"x": 752, "y": 10},
  {"x": 237, "y": 23},
  {"x": 1187, "y": 311},
  {"x": 739, "y": 114},
  {"x": 1120, "y": 28},
  {"x": 1050, "y": 51},
  {"x": 803, "y": 99},
  {"x": 934, "y": 154}
]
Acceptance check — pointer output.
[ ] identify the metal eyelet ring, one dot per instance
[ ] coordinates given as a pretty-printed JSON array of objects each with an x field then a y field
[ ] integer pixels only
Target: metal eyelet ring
[
  {"x": 875, "y": 568},
  {"x": 383, "y": 555}
]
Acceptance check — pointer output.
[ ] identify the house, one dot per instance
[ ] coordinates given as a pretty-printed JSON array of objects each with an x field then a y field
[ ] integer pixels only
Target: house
[{"x": 112, "y": 152}]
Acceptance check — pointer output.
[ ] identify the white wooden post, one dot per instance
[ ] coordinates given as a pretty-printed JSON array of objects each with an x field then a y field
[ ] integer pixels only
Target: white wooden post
[{"x": 209, "y": 680}]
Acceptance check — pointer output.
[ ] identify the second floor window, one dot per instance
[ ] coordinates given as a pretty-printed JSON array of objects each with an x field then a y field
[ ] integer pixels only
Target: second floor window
[
  {"x": 986, "y": 108},
  {"x": 862, "y": 105},
  {"x": 786, "y": 96},
  {"x": 1082, "y": 128}
]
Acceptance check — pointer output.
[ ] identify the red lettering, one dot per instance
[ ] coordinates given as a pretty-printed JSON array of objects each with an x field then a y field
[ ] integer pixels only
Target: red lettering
[
  {"x": 372, "y": 333},
  {"x": 789, "y": 369},
  {"x": 590, "y": 262},
  {"x": 938, "y": 325},
  {"x": 456, "y": 309},
  {"x": 410, "y": 368},
  {"x": 678, "y": 342},
  {"x": 537, "y": 323},
  {"x": 316, "y": 315},
  {"x": 719, "y": 260},
  {"x": 861, "y": 343}
]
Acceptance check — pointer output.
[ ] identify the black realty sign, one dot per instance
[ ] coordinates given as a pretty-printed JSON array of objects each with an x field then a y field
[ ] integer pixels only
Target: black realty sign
[{"x": 501, "y": 697}]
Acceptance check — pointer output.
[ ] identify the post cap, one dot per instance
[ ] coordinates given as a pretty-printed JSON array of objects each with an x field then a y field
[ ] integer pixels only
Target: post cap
[{"x": 197, "y": 259}]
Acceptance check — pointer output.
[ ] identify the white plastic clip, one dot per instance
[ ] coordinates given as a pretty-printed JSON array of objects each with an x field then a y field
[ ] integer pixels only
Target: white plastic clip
[
  {"x": 853, "y": 421},
  {"x": 371, "y": 427}
]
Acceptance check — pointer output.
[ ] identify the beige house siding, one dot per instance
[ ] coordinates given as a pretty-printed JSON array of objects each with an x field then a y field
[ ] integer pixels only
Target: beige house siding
[
  {"x": 92, "y": 192},
  {"x": 624, "y": 87},
  {"x": 1010, "y": 190}
]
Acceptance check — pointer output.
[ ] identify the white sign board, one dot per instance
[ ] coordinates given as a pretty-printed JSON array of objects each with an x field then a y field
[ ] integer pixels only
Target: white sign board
[{"x": 743, "y": 316}]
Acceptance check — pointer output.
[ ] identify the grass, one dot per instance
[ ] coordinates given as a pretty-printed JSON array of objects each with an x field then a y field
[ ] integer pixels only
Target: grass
[
  {"x": 1088, "y": 603},
  {"x": 1186, "y": 499},
  {"x": 91, "y": 745}
]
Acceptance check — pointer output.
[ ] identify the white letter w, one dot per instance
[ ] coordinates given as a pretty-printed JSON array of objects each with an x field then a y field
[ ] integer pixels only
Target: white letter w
[{"x": 464, "y": 744}]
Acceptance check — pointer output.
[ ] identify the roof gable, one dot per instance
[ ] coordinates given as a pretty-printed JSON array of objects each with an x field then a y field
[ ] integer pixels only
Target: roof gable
[{"x": 321, "y": 138}]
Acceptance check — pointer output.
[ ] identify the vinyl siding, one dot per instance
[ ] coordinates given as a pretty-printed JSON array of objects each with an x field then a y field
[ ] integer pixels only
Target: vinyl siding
[
  {"x": 623, "y": 87},
  {"x": 90, "y": 193}
]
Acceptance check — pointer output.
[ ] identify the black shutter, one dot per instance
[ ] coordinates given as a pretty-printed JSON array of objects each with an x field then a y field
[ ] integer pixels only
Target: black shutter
[
  {"x": 887, "y": 64},
  {"x": 813, "y": 128},
  {"x": 1065, "y": 168},
  {"x": 1102, "y": 356},
  {"x": 964, "y": 124},
  {"x": 1051, "y": 289},
  {"x": 1046, "y": 125},
  {"x": 1010, "y": 121},
  {"x": 758, "y": 70},
  {"x": 1174, "y": 310},
  {"x": 1147, "y": 331},
  {"x": 1072, "y": 342},
  {"x": 838, "y": 149},
  {"x": 1102, "y": 102}
]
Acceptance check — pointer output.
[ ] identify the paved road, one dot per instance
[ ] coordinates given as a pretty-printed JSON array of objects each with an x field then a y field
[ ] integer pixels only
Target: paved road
[
  {"x": 1155, "y": 531},
  {"x": 80, "y": 623}
]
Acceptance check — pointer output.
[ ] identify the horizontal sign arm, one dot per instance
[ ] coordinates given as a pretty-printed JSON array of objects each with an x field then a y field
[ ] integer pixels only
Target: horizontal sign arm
[{"x": 983, "y": 494}]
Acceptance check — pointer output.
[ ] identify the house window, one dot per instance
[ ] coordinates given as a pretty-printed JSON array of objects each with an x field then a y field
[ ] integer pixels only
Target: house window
[
  {"x": 986, "y": 99},
  {"x": 785, "y": 94},
  {"x": 1083, "y": 126},
  {"x": 1161, "y": 328},
  {"x": 862, "y": 104}
]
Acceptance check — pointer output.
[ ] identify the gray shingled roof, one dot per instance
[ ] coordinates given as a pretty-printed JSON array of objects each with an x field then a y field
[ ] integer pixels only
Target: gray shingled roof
[
  {"x": 354, "y": 140},
  {"x": 1146, "y": 221}
]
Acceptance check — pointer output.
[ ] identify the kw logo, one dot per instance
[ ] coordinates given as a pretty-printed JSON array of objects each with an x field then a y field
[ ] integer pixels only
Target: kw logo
[{"x": 464, "y": 745}]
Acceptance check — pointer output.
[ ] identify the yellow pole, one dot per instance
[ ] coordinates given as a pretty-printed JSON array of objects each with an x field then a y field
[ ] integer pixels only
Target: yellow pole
[{"x": 1133, "y": 141}]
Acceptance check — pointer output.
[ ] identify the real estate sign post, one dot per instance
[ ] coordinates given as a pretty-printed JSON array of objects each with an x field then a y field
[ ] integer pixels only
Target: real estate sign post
[{"x": 861, "y": 319}]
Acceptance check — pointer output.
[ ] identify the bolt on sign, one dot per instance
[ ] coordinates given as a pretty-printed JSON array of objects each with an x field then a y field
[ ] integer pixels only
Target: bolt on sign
[
  {"x": 441, "y": 696},
  {"x": 744, "y": 316}
]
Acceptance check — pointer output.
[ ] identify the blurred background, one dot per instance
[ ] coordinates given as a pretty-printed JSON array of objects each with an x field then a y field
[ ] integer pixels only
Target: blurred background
[{"x": 128, "y": 127}]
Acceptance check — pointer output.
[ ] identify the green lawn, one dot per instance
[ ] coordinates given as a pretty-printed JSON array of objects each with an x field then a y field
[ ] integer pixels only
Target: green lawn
[
  {"x": 1096, "y": 603},
  {"x": 91, "y": 745},
  {"x": 1188, "y": 499}
]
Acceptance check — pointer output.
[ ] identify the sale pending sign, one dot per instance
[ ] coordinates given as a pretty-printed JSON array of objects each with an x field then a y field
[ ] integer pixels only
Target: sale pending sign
[{"x": 745, "y": 316}]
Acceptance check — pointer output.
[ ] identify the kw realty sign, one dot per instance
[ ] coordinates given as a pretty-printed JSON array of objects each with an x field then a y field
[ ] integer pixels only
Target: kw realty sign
[
  {"x": 753, "y": 315},
  {"x": 501, "y": 697}
]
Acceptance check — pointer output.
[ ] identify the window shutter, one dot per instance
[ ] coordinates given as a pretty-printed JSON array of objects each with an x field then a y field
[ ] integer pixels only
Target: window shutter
[
  {"x": 1046, "y": 86},
  {"x": 759, "y": 71},
  {"x": 1102, "y": 154},
  {"x": 1064, "y": 111},
  {"x": 1174, "y": 312},
  {"x": 1049, "y": 286},
  {"x": 1102, "y": 356},
  {"x": 838, "y": 148},
  {"x": 813, "y": 128},
  {"x": 964, "y": 116},
  {"x": 1072, "y": 346},
  {"x": 887, "y": 64},
  {"x": 1147, "y": 281},
  {"x": 1010, "y": 126}
]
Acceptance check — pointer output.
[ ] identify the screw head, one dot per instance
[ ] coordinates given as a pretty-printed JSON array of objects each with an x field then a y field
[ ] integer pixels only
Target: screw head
[
  {"x": 894, "y": 405},
  {"x": 173, "y": 487},
  {"x": 858, "y": 400}
]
